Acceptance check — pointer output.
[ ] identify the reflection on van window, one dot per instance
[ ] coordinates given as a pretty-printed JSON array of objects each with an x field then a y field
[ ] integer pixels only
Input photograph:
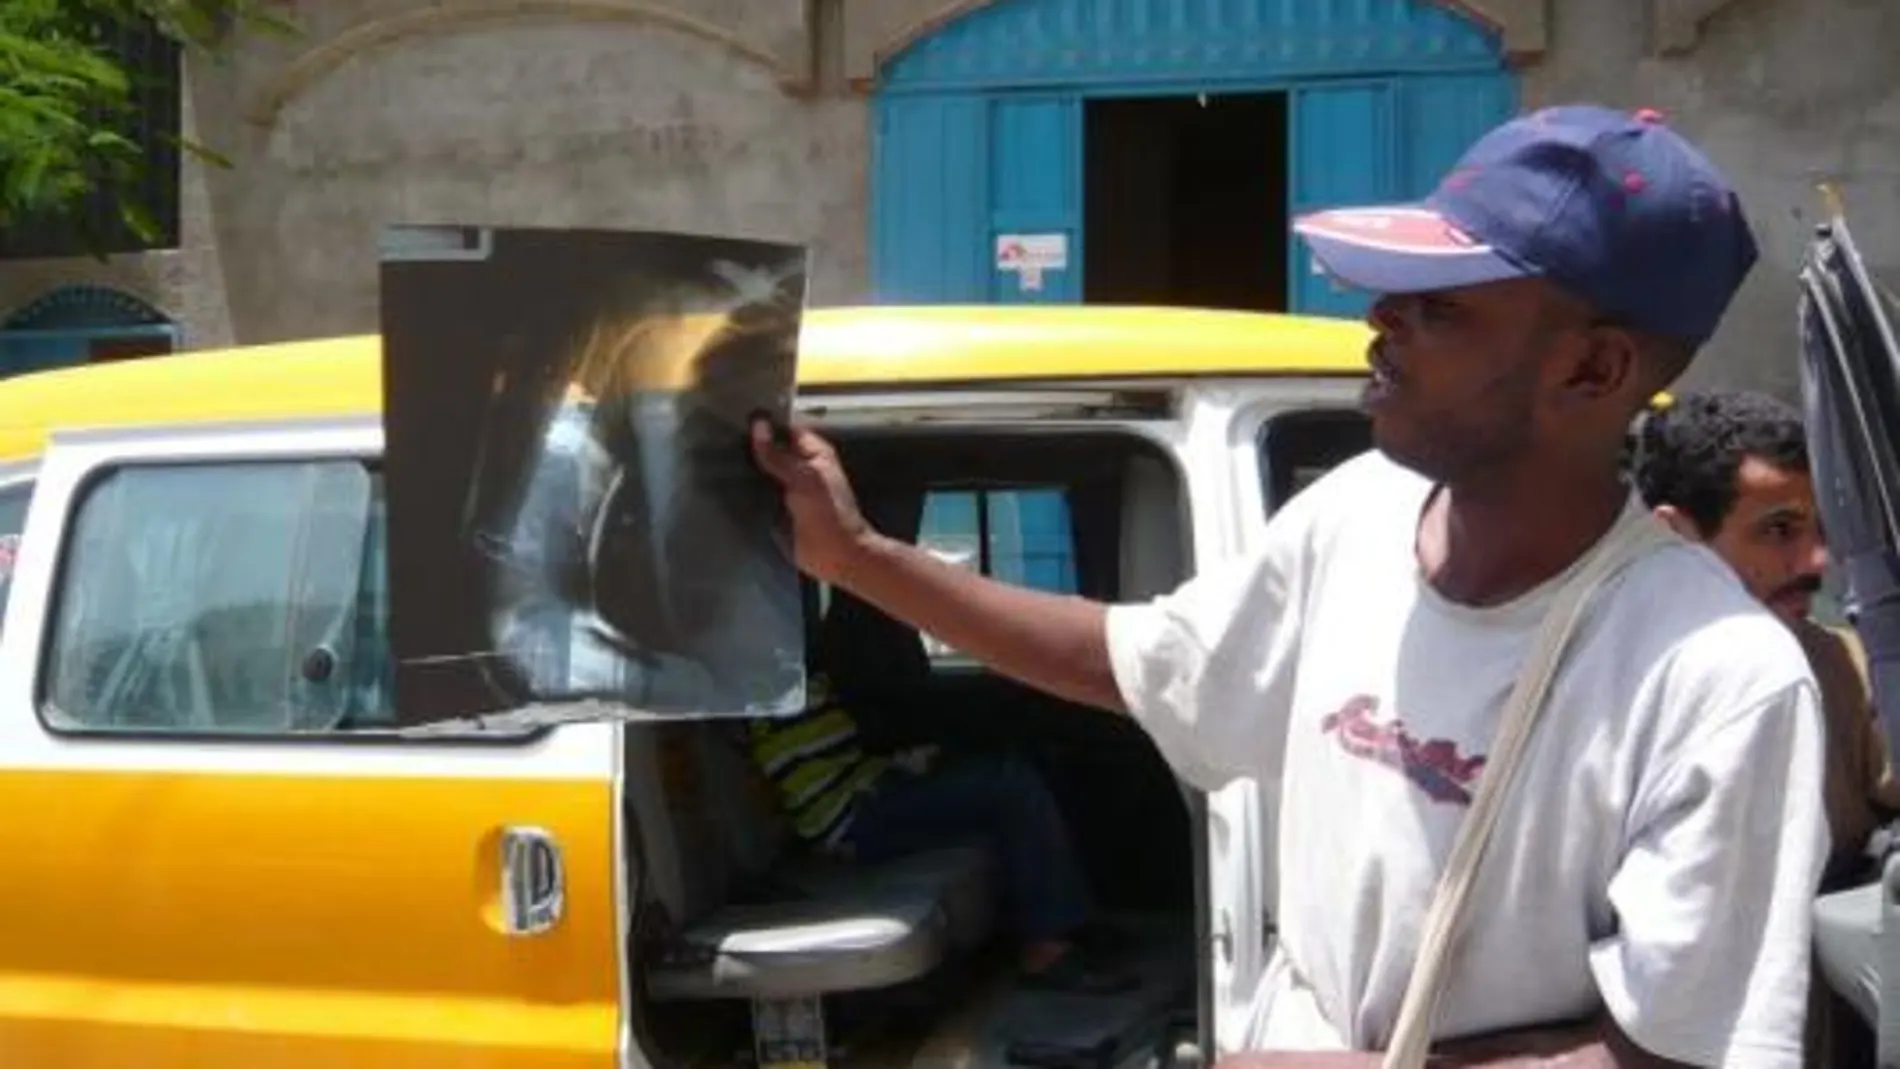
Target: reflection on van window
[
  {"x": 222, "y": 598},
  {"x": 1297, "y": 448},
  {"x": 1021, "y": 536},
  {"x": 13, "y": 502}
]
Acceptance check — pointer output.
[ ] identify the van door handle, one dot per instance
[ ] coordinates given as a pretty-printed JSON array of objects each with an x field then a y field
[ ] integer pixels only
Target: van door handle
[{"x": 533, "y": 881}]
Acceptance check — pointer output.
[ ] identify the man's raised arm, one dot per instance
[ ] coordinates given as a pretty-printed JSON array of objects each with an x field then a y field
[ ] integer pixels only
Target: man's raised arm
[{"x": 1052, "y": 642}]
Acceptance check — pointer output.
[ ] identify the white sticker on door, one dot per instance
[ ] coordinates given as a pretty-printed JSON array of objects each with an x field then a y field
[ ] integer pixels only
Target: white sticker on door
[{"x": 1029, "y": 255}]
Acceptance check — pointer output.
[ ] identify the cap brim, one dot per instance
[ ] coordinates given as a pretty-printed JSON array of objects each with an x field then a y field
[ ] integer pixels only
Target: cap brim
[{"x": 1401, "y": 249}]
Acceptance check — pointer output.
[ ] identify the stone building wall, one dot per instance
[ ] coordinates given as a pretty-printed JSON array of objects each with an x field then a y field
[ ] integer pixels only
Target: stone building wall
[{"x": 751, "y": 117}]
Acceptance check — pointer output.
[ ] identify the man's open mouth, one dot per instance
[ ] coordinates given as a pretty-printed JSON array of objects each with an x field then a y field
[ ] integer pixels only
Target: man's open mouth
[{"x": 1384, "y": 375}]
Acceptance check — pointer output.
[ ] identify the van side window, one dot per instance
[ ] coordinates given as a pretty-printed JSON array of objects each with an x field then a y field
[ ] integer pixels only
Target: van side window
[
  {"x": 13, "y": 504},
  {"x": 222, "y": 598},
  {"x": 1019, "y": 535},
  {"x": 372, "y": 684},
  {"x": 1299, "y": 447}
]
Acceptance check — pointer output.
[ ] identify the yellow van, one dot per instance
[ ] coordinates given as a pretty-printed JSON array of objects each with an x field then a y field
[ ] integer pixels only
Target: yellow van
[{"x": 221, "y": 848}]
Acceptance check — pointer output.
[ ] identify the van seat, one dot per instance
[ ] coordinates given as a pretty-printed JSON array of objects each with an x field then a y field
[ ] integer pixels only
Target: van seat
[
  {"x": 813, "y": 925},
  {"x": 878, "y": 928},
  {"x": 961, "y": 881}
]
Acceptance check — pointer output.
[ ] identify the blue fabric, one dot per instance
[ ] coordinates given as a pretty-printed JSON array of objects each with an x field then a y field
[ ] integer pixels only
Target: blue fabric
[{"x": 1001, "y": 803}]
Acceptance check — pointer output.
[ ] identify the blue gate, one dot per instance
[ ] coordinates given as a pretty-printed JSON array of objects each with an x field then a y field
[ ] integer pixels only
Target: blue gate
[
  {"x": 977, "y": 147},
  {"x": 66, "y": 326}
]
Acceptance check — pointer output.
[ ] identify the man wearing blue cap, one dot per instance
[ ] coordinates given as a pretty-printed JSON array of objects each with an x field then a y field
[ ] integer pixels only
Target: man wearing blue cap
[{"x": 1645, "y": 897}]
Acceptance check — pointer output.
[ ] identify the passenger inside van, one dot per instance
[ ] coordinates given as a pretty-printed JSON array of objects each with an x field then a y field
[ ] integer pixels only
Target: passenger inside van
[{"x": 845, "y": 801}]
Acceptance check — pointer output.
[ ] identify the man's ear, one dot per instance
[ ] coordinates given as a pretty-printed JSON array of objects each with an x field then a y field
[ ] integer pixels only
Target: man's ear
[
  {"x": 1605, "y": 364},
  {"x": 1678, "y": 522}
]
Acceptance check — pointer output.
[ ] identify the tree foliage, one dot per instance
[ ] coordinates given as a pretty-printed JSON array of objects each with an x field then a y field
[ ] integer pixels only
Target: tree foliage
[{"x": 66, "y": 102}]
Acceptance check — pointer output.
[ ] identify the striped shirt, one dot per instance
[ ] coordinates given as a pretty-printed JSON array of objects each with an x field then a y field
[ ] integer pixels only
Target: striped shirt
[{"x": 815, "y": 764}]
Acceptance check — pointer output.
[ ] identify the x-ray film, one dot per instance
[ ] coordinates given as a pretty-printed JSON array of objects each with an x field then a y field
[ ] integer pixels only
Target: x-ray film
[{"x": 577, "y": 528}]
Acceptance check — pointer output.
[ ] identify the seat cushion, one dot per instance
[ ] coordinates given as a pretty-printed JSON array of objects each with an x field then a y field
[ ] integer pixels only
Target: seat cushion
[
  {"x": 869, "y": 938},
  {"x": 961, "y": 880}
]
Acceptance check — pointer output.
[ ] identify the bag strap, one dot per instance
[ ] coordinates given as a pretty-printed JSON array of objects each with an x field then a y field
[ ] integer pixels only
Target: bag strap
[{"x": 1634, "y": 533}]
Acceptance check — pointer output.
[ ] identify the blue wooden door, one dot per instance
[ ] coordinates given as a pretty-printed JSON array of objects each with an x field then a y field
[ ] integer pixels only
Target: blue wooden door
[
  {"x": 1342, "y": 152},
  {"x": 22, "y": 351},
  {"x": 1035, "y": 196},
  {"x": 67, "y": 325},
  {"x": 978, "y": 198},
  {"x": 979, "y": 127},
  {"x": 1377, "y": 141},
  {"x": 1440, "y": 116},
  {"x": 930, "y": 223}
]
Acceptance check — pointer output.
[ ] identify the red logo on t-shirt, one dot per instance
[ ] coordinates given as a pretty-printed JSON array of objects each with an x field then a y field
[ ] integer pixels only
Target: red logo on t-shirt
[{"x": 1434, "y": 766}]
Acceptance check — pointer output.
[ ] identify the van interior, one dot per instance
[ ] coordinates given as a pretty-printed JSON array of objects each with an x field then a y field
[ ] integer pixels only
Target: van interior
[{"x": 747, "y": 950}]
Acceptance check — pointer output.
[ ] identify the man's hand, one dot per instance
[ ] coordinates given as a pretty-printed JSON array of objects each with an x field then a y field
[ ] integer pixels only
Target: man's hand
[
  {"x": 1053, "y": 642},
  {"x": 827, "y": 528}
]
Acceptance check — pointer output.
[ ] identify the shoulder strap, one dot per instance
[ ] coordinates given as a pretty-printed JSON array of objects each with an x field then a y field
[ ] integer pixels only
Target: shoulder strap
[{"x": 1634, "y": 533}]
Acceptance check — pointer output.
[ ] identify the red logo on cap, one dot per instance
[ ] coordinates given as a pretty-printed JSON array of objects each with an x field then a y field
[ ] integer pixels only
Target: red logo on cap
[
  {"x": 1460, "y": 238},
  {"x": 1411, "y": 230}
]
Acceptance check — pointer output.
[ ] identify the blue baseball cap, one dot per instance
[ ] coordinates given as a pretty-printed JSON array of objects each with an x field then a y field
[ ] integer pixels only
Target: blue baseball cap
[{"x": 1612, "y": 206}]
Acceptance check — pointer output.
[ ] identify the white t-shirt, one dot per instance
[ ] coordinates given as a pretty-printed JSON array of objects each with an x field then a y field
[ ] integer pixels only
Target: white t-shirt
[{"x": 1664, "y": 837}]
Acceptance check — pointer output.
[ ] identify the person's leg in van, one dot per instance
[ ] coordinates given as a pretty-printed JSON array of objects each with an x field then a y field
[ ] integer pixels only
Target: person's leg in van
[{"x": 1004, "y": 804}]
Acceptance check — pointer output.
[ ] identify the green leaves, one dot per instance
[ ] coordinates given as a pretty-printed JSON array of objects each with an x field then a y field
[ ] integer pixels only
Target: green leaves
[{"x": 69, "y": 112}]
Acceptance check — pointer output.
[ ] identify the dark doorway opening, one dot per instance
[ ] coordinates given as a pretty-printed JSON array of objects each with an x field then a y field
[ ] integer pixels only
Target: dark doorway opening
[{"x": 1186, "y": 201}]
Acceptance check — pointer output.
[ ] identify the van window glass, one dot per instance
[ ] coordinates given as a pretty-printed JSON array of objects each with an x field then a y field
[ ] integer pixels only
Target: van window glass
[
  {"x": 221, "y": 598},
  {"x": 13, "y": 503},
  {"x": 1299, "y": 447},
  {"x": 1019, "y": 535},
  {"x": 372, "y": 685}
]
